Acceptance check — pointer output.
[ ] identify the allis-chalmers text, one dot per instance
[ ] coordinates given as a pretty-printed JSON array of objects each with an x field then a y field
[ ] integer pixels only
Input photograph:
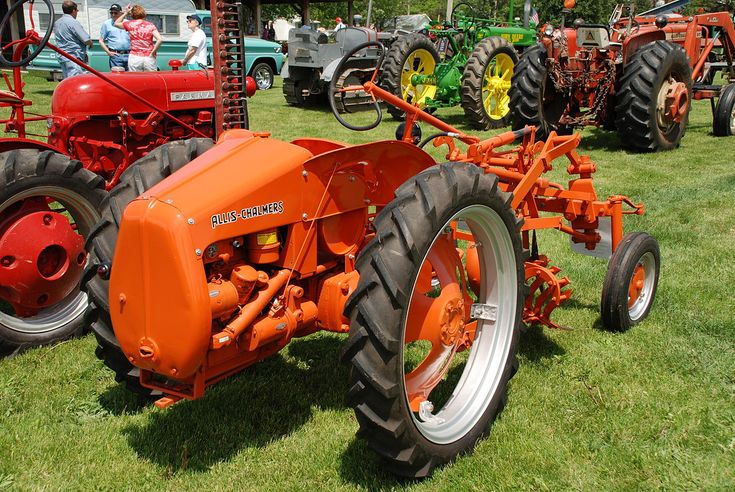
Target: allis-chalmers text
[{"x": 247, "y": 213}]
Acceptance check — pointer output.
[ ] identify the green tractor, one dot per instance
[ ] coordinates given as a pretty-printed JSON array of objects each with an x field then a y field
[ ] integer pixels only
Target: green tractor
[{"x": 470, "y": 62}]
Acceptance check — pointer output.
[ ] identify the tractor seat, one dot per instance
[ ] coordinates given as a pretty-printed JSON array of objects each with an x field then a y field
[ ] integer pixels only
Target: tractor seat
[{"x": 10, "y": 97}]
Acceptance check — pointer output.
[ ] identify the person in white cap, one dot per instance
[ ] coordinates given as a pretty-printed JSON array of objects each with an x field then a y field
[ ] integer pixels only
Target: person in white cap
[{"x": 196, "y": 53}]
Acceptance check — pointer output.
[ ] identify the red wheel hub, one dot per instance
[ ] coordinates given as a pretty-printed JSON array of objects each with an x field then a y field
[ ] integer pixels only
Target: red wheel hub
[
  {"x": 677, "y": 101},
  {"x": 41, "y": 261},
  {"x": 636, "y": 285}
]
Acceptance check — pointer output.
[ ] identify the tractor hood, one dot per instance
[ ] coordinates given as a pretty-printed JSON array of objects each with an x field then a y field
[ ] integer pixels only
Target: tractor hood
[{"x": 89, "y": 95}]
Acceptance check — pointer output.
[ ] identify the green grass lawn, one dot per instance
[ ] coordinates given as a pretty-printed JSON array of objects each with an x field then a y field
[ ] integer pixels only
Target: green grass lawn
[{"x": 653, "y": 408}]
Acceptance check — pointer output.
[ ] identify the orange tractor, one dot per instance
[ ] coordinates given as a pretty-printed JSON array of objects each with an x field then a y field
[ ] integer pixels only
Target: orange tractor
[
  {"x": 636, "y": 74},
  {"x": 431, "y": 268}
]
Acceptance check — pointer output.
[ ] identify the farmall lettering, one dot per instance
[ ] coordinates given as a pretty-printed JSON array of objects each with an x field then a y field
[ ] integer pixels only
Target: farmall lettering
[{"x": 246, "y": 213}]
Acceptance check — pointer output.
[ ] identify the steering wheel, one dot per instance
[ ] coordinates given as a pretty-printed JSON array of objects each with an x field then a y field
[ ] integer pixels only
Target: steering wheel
[
  {"x": 355, "y": 88},
  {"x": 31, "y": 35},
  {"x": 464, "y": 5}
]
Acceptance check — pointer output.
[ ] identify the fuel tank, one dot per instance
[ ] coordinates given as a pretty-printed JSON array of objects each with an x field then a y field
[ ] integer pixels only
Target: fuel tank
[{"x": 88, "y": 95}]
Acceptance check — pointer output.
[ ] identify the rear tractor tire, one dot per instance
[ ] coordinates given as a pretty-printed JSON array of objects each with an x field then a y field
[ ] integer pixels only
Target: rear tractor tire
[
  {"x": 48, "y": 205},
  {"x": 631, "y": 281},
  {"x": 723, "y": 124},
  {"x": 142, "y": 175},
  {"x": 534, "y": 99},
  {"x": 408, "y": 56},
  {"x": 654, "y": 98},
  {"x": 486, "y": 83},
  {"x": 426, "y": 378}
]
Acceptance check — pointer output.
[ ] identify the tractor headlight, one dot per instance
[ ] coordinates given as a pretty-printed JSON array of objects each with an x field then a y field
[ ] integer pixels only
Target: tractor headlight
[{"x": 548, "y": 30}]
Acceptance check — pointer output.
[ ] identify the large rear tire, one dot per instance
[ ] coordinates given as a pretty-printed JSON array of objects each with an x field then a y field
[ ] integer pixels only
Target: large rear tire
[
  {"x": 723, "y": 123},
  {"x": 421, "y": 398},
  {"x": 142, "y": 175},
  {"x": 533, "y": 97},
  {"x": 408, "y": 56},
  {"x": 642, "y": 108},
  {"x": 486, "y": 83},
  {"x": 48, "y": 205}
]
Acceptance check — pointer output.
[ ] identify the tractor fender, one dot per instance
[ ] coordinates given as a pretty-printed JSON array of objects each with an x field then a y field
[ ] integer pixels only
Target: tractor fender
[
  {"x": 284, "y": 70},
  {"x": 328, "y": 71},
  {"x": 634, "y": 43},
  {"x": 7, "y": 144}
]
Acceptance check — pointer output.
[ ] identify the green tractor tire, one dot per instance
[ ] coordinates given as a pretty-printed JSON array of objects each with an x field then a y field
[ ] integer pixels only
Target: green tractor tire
[
  {"x": 486, "y": 82},
  {"x": 408, "y": 56}
]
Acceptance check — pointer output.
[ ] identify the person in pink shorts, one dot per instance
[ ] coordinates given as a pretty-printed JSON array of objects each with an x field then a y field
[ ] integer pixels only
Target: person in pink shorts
[{"x": 142, "y": 33}]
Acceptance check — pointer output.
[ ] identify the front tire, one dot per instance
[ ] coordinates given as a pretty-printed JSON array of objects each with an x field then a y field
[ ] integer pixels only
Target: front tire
[
  {"x": 45, "y": 305},
  {"x": 631, "y": 281},
  {"x": 486, "y": 83},
  {"x": 723, "y": 123},
  {"x": 263, "y": 75},
  {"x": 142, "y": 175},
  {"x": 408, "y": 56},
  {"x": 421, "y": 398},
  {"x": 643, "y": 120}
]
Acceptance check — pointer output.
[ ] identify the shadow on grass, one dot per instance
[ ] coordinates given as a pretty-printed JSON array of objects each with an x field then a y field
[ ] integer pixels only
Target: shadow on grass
[
  {"x": 361, "y": 466},
  {"x": 534, "y": 345},
  {"x": 263, "y": 403},
  {"x": 118, "y": 400}
]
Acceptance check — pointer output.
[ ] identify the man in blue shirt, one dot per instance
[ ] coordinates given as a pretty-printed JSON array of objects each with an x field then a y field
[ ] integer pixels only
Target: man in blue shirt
[
  {"x": 115, "y": 41},
  {"x": 72, "y": 38}
]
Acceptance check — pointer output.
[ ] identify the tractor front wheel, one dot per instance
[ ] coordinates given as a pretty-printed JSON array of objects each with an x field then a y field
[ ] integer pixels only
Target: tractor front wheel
[
  {"x": 631, "y": 281},
  {"x": 486, "y": 83},
  {"x": 48, "y": 205},
  {"x": 408, "y": 56},
  {"x": 142, "y": 175},
  {"x": 534, "y": 99},
  {"x": 435, "y": 318},
  {"x": 723, "y": 124},
  {"x": 654, "y": 98}
]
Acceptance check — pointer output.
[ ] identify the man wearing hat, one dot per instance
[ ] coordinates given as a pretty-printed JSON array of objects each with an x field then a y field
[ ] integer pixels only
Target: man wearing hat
[
  {"x": 115, "y": 41},
  {"x": 196, "y": 53},
  {"x": 340, "y": 24}
]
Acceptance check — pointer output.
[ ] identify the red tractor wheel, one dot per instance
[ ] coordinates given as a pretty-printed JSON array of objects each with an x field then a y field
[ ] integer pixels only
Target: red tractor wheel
[
  {"x": 430, "y": 365},
  {"x": 48, "y": 205},
  {"x": 145, "y": 173},
  {"x": 654, "y": 98}
]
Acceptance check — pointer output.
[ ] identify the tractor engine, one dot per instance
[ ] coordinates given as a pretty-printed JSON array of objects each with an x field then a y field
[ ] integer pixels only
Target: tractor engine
[{"x": 108, "y": 130}]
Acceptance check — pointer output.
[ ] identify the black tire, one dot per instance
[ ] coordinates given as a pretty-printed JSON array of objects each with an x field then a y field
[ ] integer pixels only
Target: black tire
[
  {"x": 396, "y": 59},
  {"x": 618, "y": 311},
  {"x": 263, "y": 75},
  {"x": 533, "y": 98},
  {"x": 142, "y": 175},
  {"x": 723, "y": 123},
  {"x": 33, "y": 173},
  {"x": 481, "y": 60},
  {"x": 643, "y": 77},
  {"x": 405, "y": 232}
]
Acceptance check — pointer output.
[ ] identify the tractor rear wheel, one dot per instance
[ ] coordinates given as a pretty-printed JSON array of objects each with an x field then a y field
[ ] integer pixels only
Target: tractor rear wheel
[
  {"x": 631, "y": 281},
  {"x": 654, "y": 98},
  {"x": 142, "y": 175},
  {"x": 48, "y": 205},
  {"x": 430, "y": 366},
  {"x": 723, "y": 123},
  {"x": 408, "y": 56},
  {"x": 534, "y": 99},
  {"x": 486, "y": 83}
]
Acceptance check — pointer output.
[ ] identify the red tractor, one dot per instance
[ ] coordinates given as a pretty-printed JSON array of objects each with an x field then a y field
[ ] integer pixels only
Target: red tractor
[
  {"x": 50, "y": 191},
  {"x": 431, "y": 268},
  {"x": 637, "y": 74}
]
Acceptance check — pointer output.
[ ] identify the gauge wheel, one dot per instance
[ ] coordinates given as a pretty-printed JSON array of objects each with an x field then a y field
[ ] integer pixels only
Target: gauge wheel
[
  {"x": 723, "y": 124},
  {"x": 432, "y": 341}
]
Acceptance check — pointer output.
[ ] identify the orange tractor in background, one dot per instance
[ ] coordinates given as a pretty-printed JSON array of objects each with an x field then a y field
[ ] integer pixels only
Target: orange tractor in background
[
  {"x": 637, "y": 75},
  {"x": 431, "y": 268}
]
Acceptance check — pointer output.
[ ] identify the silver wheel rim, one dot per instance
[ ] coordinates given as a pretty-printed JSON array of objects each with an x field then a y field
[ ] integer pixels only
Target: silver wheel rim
[
  {"x": 648, "y": 262},
  {"x": 74, "y": 305},
  {"x": 485, "y": 364},
  {"x": 263, "y": 78}
]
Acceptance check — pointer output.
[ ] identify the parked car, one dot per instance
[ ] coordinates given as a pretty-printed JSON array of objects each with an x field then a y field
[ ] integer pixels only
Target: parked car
[{"x": 264, "y": 58}]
